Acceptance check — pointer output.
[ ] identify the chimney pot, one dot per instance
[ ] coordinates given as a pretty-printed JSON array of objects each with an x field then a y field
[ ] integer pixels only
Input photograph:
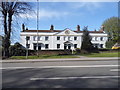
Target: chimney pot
[
  {"x": 26, "y": 28},
  {"x": 23, "y": 27},
  {"x": 52, "y": 27}
]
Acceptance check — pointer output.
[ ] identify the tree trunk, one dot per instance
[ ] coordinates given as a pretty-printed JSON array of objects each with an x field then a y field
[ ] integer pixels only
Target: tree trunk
[{"x": 5, "y": 45}]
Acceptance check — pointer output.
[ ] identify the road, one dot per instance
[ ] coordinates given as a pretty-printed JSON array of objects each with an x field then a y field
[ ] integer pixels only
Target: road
[{"x": 62, "y": 74}]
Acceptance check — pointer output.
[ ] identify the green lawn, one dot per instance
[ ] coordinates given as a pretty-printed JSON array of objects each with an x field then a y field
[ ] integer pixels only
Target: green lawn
[
  {"x": 103, "y": 54},
  {"x": 43, "y": 57}
]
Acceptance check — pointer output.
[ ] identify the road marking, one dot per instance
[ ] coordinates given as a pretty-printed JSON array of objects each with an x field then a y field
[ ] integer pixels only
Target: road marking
[
  {"x": 61, "y": 66},
  {"x": 63, "y": 78},
  {"x": 114, "y": 70}
]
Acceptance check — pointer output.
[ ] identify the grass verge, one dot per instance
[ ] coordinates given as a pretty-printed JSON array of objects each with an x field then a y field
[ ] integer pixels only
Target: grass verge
[
  {"x": 103, "y": 54},
  {"x": 43, "y": 57}
]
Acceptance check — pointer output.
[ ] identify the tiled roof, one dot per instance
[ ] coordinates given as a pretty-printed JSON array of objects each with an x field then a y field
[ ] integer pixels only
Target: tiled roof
[{"x": 60, "y": 31}]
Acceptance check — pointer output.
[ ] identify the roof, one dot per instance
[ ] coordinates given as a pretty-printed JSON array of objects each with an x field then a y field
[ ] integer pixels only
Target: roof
[{"x": 100, "y": 31}]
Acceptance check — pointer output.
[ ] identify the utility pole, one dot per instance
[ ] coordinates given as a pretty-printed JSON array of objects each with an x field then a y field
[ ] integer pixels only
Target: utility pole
[
  {"x": 37, "y": 23},
  {"x": 27, "y": 38}
]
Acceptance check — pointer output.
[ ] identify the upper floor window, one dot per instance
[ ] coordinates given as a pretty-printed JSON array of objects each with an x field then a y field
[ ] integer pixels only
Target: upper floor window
[
  {"x": 95, "y": 38},
  {"x": 27, "y": 37},
  {"x": 58, "y": 37},
  {"x": 101, "y": 38},
  {"x": 69, "y": 38},
  {"x": 46, "y": 38},
  {"x": 65, "y": 38},
  {"x": 34, "y": 38},
  {"x": 39, "y": 38},
  {"x": 75, "y": 38}
]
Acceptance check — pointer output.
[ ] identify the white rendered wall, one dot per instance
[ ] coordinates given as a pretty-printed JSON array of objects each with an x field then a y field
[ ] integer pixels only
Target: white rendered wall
[{"x": 52, "y": 41}]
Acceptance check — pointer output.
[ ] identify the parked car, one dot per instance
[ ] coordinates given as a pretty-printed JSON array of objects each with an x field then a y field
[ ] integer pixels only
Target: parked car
[{"x": 116, "y": 46}]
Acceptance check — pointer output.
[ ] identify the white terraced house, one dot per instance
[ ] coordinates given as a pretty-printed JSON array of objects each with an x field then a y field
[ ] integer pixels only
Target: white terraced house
[{"x": 59, "y": 39}]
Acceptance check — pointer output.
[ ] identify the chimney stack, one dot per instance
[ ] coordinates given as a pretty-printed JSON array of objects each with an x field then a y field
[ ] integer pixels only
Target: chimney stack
[
  {"x": 78, "y": 27},
  {"x": 23, "y": 27},
  {"x": 52, "y": 27}
]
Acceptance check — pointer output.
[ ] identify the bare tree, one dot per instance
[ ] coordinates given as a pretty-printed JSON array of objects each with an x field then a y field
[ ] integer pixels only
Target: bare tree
[{"x": 8, "y": 10}]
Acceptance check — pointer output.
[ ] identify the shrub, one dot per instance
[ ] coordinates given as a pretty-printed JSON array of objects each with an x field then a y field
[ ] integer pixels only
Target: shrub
[
  {"x": 77, "y": 50},
  {"x": 17, "y": 50},
  {"x": 109, "y": 44}
]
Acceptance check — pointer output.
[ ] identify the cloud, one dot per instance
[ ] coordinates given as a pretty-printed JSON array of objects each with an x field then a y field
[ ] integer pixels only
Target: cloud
[
  {"x": 89, "y": 6},
  {"x": 84, "y": 5},
  {"x": 68, "y": 0},
  {"x": 45, "y": 14}
]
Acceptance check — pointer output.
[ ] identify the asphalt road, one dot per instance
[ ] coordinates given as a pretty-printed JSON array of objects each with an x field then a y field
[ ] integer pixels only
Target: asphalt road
[{"x": 69, "y": 74}]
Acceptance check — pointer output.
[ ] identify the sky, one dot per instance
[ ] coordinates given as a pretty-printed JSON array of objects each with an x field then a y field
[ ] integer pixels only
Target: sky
[
  {"x": 70, "y": 14},
  {"x": 66, "y": 15}
]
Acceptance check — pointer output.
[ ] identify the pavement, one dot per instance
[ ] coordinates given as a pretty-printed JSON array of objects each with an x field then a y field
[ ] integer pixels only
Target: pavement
[{"x": 82, "y": 58}]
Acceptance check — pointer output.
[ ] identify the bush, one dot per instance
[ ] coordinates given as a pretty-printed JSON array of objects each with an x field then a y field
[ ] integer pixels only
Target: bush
[
  {"x": 109, "y": 44},
  {"x": 17, "y": 50},
  {"x": 77, "y": 50}
]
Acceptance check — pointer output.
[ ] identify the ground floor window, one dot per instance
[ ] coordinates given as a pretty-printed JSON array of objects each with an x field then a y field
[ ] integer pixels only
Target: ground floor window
[
  {"x": 28, "y": 45},
  {"x": 35, "y": 46},
  {"x": 75, "y": 45},
  {"x": 101, "y": 45},
  {"x": 46, "y": 46},
  {"x": 58, "y": 46},
  {"x": 39, "y": 46},
  {"x": 96, "y": 45}
]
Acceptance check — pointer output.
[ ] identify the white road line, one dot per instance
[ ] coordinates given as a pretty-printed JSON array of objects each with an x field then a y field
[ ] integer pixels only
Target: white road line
[
  {"x": 63, "y": 78},
  {"x": 82, "y": 66},
  {"x": 114, "y": 70}
]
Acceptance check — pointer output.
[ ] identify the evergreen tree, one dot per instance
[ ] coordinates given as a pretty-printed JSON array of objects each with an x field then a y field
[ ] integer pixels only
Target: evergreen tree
[{"x": 86, "y": 40}]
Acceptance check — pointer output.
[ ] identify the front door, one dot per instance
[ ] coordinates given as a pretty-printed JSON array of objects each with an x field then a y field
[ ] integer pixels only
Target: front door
[
  {"x": 67, "y": 46},
  {"x": 39, "y": 46}
]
